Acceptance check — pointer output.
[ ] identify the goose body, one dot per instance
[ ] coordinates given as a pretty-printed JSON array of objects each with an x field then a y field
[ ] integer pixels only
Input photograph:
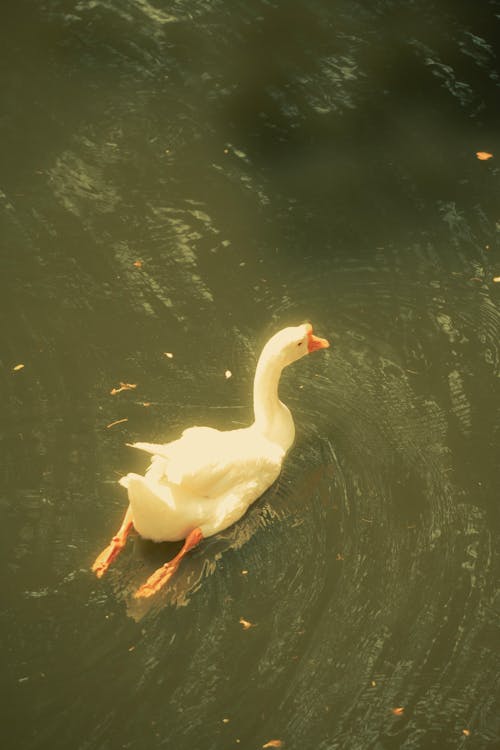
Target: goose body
[{"x": 205, "y": 480}]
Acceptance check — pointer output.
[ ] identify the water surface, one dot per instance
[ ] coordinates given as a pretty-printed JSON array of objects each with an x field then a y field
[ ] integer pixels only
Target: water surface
[{"x": 189, "y": 177}]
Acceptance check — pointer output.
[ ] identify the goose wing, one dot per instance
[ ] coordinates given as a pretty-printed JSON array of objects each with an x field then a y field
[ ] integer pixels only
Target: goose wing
[{"x": 210, "y": 463}]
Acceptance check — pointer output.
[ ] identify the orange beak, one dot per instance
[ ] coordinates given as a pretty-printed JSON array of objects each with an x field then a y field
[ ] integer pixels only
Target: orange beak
[{"x": 314, "y": 342}]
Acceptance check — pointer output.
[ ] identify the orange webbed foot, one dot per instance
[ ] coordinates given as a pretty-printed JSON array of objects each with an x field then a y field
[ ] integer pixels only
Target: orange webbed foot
[
  {"x": 156, "y": 581},
  {"x": 104, "y": 560},
  {"x": 163, "y": 575}
]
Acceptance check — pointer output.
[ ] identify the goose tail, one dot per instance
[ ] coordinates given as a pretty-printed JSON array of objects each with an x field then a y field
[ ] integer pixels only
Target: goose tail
[
  {"x": 152, "y": 507},
  {"x": 155, "y": 449}
]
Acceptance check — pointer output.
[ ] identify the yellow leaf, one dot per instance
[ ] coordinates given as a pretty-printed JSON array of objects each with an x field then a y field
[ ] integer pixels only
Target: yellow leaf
[
  {"x": 483, "y": 155},
  {"x": 17, "y": 368},
  {"x": 273, "y": 743},
  {"x": 399, "y": 711},
  {"x": 123, "y": 387},
  {"x": 138, "y": 263},
  {"x": 246, "y": 624}
]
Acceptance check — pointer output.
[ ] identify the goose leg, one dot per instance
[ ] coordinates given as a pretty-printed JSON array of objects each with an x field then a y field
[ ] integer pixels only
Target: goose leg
[
  {"x": 104, "y": 560},
  {"x": 161, "y": 576}
]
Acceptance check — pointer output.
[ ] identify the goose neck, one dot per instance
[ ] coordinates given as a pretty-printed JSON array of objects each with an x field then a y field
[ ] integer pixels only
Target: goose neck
[{"x": 272, "y": 417}]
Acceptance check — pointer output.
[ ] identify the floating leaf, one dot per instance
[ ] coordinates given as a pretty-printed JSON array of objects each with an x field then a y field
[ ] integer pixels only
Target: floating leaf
[
  {"x": 16, "y": 368},
  {"x": 168, "y": 355},
  {"x": 138, "y": 263},
  {"x": 496, "y": 279},
  {"x": 399, "y": 711},
  {"x": 246, "y": 624},
  {"x": 118, "y": 421},
  {"x": 483, "y": 155},
  {"x": 228, "y": 374},
  {"x": 273, "y": 743},
  {"x": 466, "y": 732},
  {"x": 123, "y": 387}
]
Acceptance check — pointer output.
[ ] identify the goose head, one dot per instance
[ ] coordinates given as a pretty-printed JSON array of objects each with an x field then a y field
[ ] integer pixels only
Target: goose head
[
  {"x": 290, "y": 344},
  {"x": 272, "y": 418}
]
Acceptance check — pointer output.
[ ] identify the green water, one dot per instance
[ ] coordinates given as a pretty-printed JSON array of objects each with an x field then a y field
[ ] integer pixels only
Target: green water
[{"x": 189, "y": 177}]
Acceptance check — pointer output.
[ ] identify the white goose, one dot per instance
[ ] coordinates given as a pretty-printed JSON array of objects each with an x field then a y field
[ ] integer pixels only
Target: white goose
[{"x": 203, "y": 482}]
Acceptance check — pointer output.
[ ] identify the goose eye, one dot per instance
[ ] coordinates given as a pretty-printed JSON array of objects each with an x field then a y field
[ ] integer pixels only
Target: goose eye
[{"x": 300, "y": 343}]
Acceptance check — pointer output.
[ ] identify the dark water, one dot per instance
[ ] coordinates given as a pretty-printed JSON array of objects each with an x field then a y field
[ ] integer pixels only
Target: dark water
[{"x": 267, "y": 163}]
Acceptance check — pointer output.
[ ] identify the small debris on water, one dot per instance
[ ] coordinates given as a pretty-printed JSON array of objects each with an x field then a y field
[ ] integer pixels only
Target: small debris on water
[
  {"x": 118, "y": 421},
  {"x": 123, "y": 387},
  {"x": 246, "y": 624}
]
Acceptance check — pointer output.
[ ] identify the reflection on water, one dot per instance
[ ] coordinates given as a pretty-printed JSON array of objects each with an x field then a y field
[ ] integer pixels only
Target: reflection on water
[{"x": 188, "y": 178}]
